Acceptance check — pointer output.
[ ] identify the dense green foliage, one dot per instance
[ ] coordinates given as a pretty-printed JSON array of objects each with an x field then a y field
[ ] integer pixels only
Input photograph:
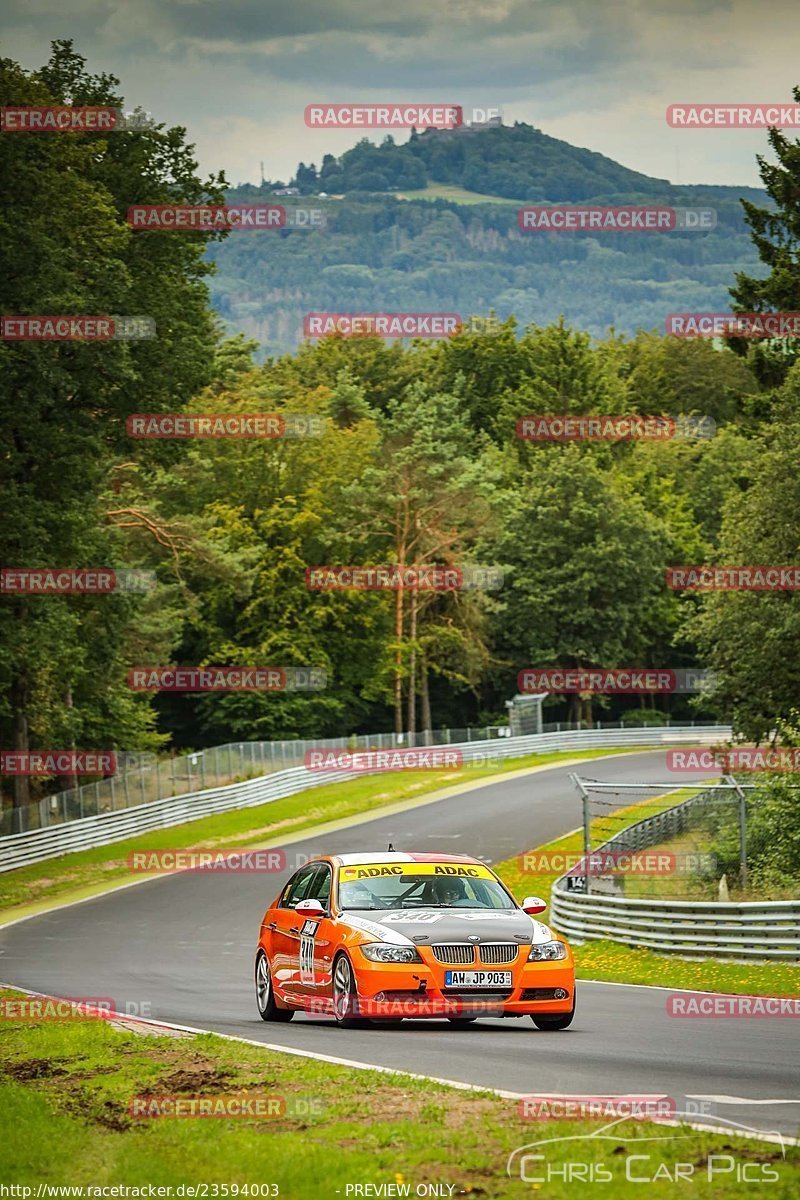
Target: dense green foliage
[
  {"x": 63, "y": 404},
  {"x": 420, "y": 462},
  {"x": 382, "y": 254}
]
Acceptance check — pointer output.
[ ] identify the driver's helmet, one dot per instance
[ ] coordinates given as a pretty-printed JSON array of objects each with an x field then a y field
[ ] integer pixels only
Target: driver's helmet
[{"x": 449, "y": 890}]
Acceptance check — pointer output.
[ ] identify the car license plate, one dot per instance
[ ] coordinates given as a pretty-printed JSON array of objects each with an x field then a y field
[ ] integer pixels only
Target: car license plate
[{"x": 477, "y": 979}]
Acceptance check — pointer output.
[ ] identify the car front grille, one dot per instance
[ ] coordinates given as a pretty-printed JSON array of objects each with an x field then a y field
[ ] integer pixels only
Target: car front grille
[
  {"x": 454, "y": 953},
  {"x": 498, "y": 952}
]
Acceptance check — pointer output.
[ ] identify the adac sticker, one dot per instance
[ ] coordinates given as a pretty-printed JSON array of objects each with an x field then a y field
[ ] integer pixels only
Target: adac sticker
[{"x": 376, "y": 870}]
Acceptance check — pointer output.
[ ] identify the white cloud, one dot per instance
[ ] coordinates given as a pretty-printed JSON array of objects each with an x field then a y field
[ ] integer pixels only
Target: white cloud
[{"x": 239, "y": 73}]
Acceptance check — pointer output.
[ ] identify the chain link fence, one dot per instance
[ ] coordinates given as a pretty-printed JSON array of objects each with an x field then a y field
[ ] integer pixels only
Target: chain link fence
[
  {"x": 597, "y": 899},
  {"x": 142, "y": 782}
]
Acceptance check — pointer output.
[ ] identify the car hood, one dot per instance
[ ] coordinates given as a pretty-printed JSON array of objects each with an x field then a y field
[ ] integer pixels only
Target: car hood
[{"x": 423, "y": 926}]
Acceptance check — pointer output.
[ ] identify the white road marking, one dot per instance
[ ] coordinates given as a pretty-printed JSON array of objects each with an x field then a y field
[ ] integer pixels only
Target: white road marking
[{"x": 336, "y": 1060}]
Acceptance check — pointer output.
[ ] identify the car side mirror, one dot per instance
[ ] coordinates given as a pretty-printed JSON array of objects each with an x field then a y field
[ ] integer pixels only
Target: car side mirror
[
  {"x": 310, "y": 908},
  {"x": 533, "y": 905}
]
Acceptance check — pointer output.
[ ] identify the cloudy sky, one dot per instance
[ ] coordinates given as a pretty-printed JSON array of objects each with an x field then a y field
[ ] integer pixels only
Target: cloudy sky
[{"x": 597, "y": 73}]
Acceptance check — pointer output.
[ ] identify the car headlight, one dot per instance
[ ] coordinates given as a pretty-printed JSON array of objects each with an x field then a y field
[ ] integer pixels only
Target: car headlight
[
  {"x": 380, "y": 952},
  {"x": 546, "y": 951}
]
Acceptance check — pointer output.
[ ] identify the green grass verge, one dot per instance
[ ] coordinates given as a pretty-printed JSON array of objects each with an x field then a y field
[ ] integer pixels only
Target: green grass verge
[
  {"x": 106, "y": 866},
  {"x": 693, "y": 886},
  {"x": 66, "y": 1088},
  {"x": 610, "y": 961},
  {"x": 451, "y": 191}
]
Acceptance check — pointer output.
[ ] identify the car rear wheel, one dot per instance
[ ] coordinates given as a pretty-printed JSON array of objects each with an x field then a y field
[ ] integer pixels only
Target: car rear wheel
[
  {"x": 554, "y": 1020},
  {"x": 345, "y": 998},
  {"x": 265, "y": 997}
]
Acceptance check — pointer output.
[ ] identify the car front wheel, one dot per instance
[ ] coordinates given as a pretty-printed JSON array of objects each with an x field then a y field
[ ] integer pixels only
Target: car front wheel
[
  {"x": 265, "y": 997},
  {"x": 345, "y": 998},
  {"x": 554, "y": 1020}
]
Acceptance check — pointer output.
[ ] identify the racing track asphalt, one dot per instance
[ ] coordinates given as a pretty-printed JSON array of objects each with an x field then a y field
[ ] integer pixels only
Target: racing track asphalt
[{"x": 183, "y": 944}]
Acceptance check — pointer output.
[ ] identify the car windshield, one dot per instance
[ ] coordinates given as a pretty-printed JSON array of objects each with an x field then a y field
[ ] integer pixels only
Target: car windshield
[{"x": 407, "y": 889}]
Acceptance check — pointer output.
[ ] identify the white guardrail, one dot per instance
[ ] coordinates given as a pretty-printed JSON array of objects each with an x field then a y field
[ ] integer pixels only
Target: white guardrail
[
  {"x": 23, "y": 849},
  {"x": 761, "y": 929}
]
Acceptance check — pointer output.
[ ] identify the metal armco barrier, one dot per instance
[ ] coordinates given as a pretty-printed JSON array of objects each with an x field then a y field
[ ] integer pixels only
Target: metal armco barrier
[
  {"x": 23, "y": 849},
  {"x": 765, "y": 929}
]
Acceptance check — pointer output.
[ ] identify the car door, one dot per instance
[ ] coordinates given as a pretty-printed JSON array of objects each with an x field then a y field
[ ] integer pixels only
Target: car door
[
  {"x": 316, "y": 938},
  {"x": 285, "y": 926}
]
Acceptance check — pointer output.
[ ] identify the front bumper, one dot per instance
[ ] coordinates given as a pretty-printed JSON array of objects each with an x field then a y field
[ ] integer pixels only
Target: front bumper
[{"x": 418, "y": 990}]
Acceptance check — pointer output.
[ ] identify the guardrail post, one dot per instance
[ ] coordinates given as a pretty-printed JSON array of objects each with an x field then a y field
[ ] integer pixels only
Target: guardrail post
[
  {"x": 587, "y": 832},
  {"x": 742, "y": 829}
]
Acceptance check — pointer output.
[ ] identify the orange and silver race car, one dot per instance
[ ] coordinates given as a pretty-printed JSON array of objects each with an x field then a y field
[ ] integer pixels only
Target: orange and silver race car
[{"x": 392, "y": 935}]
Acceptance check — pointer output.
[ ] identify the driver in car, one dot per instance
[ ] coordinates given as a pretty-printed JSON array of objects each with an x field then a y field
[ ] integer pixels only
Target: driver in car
[{"x": 451, "y": 892}]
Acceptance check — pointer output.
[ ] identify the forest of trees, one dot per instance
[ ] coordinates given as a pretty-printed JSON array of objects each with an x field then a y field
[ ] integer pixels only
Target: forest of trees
[{"x": 420, "y": 463}]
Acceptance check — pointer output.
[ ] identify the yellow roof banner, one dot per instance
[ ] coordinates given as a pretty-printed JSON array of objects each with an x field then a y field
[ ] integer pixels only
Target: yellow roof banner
[{"x": 376, "y": 870}]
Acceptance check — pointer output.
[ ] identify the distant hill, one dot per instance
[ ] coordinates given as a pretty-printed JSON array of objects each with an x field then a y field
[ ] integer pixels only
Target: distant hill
[
  {"x": 466, "y": 254},
  {"x": 516, "y": 162}
]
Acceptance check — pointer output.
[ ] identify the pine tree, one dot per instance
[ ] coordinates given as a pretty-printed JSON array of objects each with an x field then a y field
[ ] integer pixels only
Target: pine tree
[{"x": 776, "y": 235}]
